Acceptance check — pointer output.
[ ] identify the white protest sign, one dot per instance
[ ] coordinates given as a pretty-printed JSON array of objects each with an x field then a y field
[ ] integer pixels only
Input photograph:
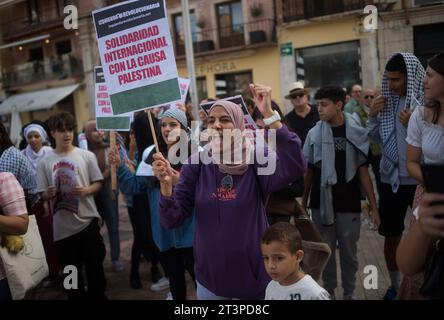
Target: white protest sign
[
  {"x": 104, "y": 114},
  {"x": 144, "y": 169},
  {"x": 137, "y": 55}
]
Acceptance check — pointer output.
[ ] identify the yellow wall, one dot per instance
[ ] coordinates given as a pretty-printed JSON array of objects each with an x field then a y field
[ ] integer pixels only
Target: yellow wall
[
  {"x": 320, "y": 33},
  {"x": 264, "y": 64}
]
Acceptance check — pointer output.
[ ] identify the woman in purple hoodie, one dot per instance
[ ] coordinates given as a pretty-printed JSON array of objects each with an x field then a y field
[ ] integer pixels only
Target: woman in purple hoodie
[{"x": 229, "y": 200}]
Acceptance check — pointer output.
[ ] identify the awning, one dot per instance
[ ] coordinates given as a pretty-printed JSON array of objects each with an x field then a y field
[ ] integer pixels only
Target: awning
[
  {"x": 4, "y": 3},
  {"x": 36, "y": 100}
]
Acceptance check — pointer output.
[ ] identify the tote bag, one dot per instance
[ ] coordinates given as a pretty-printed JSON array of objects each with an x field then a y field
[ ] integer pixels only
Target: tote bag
[{"x": 27, "y": 268}]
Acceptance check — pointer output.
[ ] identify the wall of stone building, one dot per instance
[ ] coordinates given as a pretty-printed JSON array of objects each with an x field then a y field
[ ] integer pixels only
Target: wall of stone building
[
  {"x": 263, "y": 63},
  {"x": 206, "y": 10},
  {"x": 395, "y": 32},
  {"x": 369, "y": 61},
  {"x": 89, "y": 54}
]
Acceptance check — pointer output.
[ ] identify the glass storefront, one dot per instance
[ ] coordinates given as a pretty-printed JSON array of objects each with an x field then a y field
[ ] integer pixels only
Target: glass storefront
[
  {"x": 232, "y": 84},
  {"x": 337, "y": 64}
]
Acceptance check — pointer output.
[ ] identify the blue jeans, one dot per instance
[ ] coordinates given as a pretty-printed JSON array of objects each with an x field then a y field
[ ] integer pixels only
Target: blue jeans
[
  {"x": 108, "y": 210},
  {"x": 5, "y": 292}
]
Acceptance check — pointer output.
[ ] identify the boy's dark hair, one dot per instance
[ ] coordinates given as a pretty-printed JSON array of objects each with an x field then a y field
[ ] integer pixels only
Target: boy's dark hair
[
  {"x": 286, "y": 233},
  {"x": 334, "y": 93},
  {"x": 396, "y": 63},
  {"x": 61, "y": 121}
]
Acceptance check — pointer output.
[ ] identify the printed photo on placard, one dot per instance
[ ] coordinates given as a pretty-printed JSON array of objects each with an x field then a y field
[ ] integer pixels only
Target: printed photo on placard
[{"x": 137, "y": 55}]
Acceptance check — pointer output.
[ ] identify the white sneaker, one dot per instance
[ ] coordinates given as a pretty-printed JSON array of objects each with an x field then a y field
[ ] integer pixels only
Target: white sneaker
[
  {"x": 169, "y": 296},
  {"x": 160, "y": 285}
]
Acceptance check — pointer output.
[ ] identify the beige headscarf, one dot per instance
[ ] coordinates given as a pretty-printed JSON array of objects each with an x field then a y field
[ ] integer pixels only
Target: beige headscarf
[{"x": 237, "y": 116}]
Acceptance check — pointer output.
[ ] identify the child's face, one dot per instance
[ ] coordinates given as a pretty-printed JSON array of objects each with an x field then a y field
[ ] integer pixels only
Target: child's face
[
  {"x": 328, "y": 109},
  {"x": 281, "y": 265},
  {"x": 63, "y": 138}
]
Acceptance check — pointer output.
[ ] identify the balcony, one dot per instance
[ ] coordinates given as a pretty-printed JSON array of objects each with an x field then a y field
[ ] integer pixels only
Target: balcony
[
  {"x": 240, "y": 35},
  {"x": 306, "y": 9},
  {"x": 19, "y": 22},
  {"x": 31, "y": 72}
]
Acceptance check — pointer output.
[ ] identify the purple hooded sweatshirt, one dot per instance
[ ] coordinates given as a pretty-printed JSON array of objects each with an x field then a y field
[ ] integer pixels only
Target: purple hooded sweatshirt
[{"x": 230, "y": 223}]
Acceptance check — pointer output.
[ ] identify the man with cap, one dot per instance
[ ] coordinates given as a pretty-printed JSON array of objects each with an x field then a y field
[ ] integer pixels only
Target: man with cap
[{"x": 303, "y": 117}]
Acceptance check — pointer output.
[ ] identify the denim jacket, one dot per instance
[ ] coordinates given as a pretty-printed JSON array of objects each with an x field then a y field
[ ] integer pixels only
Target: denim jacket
[{"x": 165, "y": 239}]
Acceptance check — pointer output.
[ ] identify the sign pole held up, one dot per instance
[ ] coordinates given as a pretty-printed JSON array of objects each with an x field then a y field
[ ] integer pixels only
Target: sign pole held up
[
  {"x": 153, "y": 130},
  {"x": 112, "y": 142}
]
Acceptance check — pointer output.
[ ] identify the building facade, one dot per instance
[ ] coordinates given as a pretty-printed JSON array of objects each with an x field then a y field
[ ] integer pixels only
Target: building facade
[
  {"x": 325, "y": 42},
  {"x": 412, "y": 26},
  {"x": 235, "y": 43},
  {"x": 44, "y": 66}
]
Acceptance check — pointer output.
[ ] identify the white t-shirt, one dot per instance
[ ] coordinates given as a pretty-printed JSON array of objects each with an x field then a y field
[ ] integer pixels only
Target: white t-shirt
[
  {"x": 427, "y": 136},
  {"x": 304, "y": 289},
  {"x": 71, "y": 214}
]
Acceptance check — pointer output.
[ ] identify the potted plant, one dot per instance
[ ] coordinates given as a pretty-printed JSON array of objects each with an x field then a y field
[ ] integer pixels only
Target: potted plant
[
  {"x": 201, "y": 23},
  {"x": 203, "y": 45},
  {"x": 257, "y": 36},
  {"x": 256, "y": 9}
]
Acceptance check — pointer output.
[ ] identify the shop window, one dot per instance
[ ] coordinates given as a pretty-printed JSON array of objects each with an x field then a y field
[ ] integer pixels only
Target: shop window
[
  {"x": 201, "y": 84},
  {"x": 232, "y": 84},
  {"x": 427, "y": 41},
  {"x": 337, "y": 64}
]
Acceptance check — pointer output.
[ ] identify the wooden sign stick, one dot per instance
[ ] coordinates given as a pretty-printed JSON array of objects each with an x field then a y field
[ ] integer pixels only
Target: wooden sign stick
[
  {"x": 153, "y": 130},
  {"x": 112, "y": 141}
]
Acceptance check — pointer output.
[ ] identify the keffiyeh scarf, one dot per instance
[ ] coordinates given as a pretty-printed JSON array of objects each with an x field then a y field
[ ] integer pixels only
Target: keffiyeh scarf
[
  {"x": 388, "y": 116},
  {"x": 13, "y": 161}
]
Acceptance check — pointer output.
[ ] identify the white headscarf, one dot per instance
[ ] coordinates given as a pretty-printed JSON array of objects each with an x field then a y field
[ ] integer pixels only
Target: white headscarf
[
  {"x": 35, "y": 157},
  {"x": 35, "y": 128}
]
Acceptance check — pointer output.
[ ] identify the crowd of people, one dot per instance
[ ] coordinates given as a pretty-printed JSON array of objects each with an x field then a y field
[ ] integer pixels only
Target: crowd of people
[{"x": 237, "y": 232}]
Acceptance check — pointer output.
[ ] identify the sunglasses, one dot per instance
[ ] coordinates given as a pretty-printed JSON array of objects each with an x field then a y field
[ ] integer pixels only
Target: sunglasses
[
  {"x": 369, "y": 97},
  {"x": 297, "y": 96}
]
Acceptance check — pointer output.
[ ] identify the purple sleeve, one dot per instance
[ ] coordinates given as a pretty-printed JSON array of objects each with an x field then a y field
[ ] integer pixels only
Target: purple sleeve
[
  {"x": 175, "y": 209},
  {"x": 289, "y": 159}
]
